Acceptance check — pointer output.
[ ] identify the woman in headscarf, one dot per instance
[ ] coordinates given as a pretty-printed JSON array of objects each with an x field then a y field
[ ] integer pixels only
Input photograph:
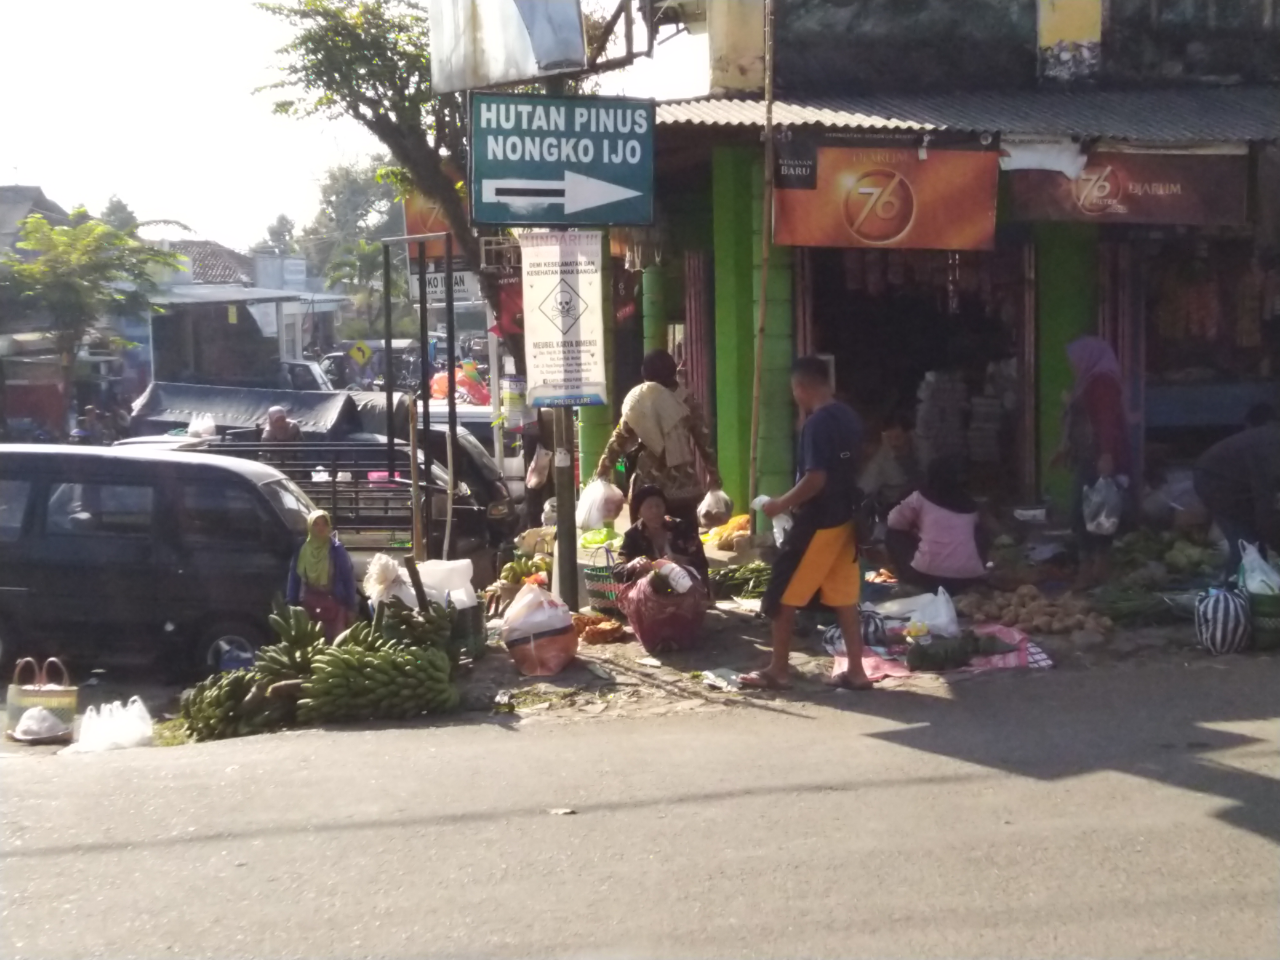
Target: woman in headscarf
[
  {"x": 657, "y": 536},
  {"x": 932, "y": 535},
  {"x": 321, "y": 578},
  {"x": 664, "y": 424},
  {"x": 1095, "y": 441}
]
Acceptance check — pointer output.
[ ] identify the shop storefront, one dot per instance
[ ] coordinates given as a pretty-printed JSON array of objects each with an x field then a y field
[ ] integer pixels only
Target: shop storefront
[
  {"x": 1184, "y": 291},
  {"x": 903, "y": 280}
]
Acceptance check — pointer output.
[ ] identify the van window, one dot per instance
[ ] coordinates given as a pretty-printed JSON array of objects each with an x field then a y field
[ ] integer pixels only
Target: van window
[
  {"x": 14, "y": 495},
  {"x": 291, "y": 503},
  {"x": 212, "y": 511},
  {"x": 88, "y": 509}
]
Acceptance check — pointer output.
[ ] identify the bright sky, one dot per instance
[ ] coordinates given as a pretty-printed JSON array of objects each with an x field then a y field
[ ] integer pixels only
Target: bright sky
[{"x": 152, "y": 100}]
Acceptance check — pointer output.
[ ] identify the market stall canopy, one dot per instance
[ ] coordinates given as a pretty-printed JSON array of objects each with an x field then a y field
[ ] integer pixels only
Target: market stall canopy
[
  {"x": 321, "y": 415},
  {"x": 188, "y": 294},
  {"x": 373, "y": 412},
  {"x": 1171, "y": 115}
]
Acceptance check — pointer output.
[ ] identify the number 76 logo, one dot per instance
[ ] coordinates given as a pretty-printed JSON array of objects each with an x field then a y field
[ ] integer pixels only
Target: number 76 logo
[{"x": 879, "y": 207}]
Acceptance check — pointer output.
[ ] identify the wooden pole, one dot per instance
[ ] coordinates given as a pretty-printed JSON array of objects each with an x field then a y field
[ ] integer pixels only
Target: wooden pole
[
  {"x": 415, "y": 483},
  {"x": 766, "y": 241}
]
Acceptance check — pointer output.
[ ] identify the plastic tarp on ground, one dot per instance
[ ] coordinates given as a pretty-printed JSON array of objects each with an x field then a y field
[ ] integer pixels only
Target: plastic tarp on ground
[
  {"x": 321, "y": 415},
  {"x": 372, "y": 405}
]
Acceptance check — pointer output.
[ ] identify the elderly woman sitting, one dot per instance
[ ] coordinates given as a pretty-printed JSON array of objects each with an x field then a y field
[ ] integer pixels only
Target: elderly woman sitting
[{"x": 656, "y": 536}]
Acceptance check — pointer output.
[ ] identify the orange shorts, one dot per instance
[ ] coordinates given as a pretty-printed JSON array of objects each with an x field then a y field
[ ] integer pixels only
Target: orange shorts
[{"x": 829, "y": 566}]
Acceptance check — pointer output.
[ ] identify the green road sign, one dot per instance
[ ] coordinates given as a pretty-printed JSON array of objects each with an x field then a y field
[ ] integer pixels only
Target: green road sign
[{"x": 557, "y": 161}]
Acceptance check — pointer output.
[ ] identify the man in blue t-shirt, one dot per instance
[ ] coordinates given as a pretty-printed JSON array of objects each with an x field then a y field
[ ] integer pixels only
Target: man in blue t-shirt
[{"x": 820, "y": 554}]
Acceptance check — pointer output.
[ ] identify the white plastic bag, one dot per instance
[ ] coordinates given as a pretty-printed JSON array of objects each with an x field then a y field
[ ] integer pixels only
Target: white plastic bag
[
  {"x": 599, "y": 506},
  {"x": 1256, "y": 575},
  {"x": 938, "y": 613},
  {"x": 114, "y": 727},
  {"x": 715, "y": 509},
  {"x": 385, "y": 579},
  {"x": 40, "y": 724},
  {"x": 679, "y": 578},
  {"x": 1103, "y": 504},
  {"x": 448, "y": 578},
  {"x": 202, "y": 425},
  {"x": 534, "y": 611},
  {"x": 781, "y": 523}
]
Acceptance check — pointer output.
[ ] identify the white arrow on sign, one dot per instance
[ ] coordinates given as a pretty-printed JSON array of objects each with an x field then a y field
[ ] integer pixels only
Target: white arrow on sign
[{"x": 575, "y": 191}]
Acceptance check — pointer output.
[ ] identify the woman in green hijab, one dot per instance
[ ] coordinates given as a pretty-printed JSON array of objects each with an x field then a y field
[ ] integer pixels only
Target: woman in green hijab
[{"x": 321, "y": 578}]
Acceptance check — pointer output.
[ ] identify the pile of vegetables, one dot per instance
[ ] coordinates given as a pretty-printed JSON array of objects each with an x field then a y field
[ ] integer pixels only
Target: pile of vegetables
[
  {"x": 520, "y": 569},
  {"x": 734, "y": 535},
  {"x": 747, "y": 581},
  {"x": 1180, "y": 555},
  {"x": 951, "y": 653},
  {"x": 1030, "y": 611}
]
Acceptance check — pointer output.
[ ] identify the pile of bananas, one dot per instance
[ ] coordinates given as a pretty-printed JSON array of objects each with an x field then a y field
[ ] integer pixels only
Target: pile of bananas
[
  {"x": 233, "y": 705},
  {"x": 293, "y": 626},
  {"x": 430, "y": 627},
  {"x": 350, "y": 683},
  {"x": 398, "y": 666},
  {"x": 523, "y": 567}
]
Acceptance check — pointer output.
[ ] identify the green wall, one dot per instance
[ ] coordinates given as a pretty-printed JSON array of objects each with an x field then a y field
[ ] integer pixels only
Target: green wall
[
  {"x": 736, "y": 176},
  {"x": 1067, "y": 301}
]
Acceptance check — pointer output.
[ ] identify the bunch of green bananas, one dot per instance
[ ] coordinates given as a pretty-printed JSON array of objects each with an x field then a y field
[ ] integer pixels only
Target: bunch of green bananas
[
  {"x": 232, "y": 705},
  {"x": 350, "y": 683},
  {"x": 522, "y": 567},
  {"x": 293, "y": 626},
  {"x": 282, "y": 661},
  {"x": 430, "y": 626}
]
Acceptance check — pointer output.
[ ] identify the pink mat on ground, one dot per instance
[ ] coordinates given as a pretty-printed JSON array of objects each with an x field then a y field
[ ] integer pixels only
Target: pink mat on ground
[{"x": 1027, "y": 655}]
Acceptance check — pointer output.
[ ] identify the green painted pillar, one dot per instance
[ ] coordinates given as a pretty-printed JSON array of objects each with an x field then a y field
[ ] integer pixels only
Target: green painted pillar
[
  {"x": 595, "y": 424},
  {"x": 732, "y": 235},
  {"x": 737, "y": 172},
  {"x": 1067, "y": 307},
  {"x": 654, "y": 308}
]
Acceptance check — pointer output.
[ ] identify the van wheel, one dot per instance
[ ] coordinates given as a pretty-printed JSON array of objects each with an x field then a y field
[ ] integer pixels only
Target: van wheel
[{"x": 236, "y": 634}]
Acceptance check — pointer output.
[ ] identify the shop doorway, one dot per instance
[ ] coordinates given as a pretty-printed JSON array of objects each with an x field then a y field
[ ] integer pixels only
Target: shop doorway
[{"x": 940, "y": 338}]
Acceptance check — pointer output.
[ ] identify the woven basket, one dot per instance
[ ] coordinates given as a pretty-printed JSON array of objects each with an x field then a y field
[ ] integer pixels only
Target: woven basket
[
  {"x": 602, "y": 589},
  {"x": 1264, "y": 609},
  {"x": 58, "y": 699}
]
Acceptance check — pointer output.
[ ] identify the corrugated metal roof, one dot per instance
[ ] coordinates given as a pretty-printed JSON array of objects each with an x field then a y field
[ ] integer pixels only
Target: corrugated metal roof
[
  {"x": 1166, "y": 115},
  {"x": 183, "y": 294}
]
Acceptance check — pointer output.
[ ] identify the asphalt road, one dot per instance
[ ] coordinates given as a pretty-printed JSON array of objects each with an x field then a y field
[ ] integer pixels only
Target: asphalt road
[{"x": 1116, "y": 813}]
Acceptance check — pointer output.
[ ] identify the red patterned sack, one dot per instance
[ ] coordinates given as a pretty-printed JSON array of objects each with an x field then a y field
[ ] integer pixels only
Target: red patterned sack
[{"x": 663, "y": 621}]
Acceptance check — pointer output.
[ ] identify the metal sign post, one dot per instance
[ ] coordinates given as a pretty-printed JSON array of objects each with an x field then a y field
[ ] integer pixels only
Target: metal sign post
[{"x": 561, "y": 161}]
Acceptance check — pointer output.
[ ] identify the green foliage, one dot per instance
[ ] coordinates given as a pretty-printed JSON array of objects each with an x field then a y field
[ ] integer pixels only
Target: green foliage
[
  {"x": 359, "y": 267},
  {"x": 117, "y": 214},
  {"x": 79, "y": 273},
  {"x": 355, "y": 204},
  {"x": 370, "y": 60},
  {"x": 279, "y": 237}
]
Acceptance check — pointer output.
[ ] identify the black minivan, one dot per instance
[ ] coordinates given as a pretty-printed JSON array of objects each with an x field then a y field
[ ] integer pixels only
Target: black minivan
[{"x": 135, "y": 555}]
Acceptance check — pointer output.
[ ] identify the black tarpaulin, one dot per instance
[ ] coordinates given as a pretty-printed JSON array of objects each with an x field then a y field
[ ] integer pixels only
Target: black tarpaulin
[{"x": 321, "y": 415}]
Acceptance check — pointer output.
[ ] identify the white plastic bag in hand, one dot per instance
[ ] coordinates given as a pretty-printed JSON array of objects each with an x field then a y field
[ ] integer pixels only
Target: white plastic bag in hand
[
  {"x": 1256, "y": 575},
  {"x": 715, "y": 509},
  {"x": 600, "y": 505},
  {"x": 781, "y": 523},
  {"x": 1103, "y": 504}
]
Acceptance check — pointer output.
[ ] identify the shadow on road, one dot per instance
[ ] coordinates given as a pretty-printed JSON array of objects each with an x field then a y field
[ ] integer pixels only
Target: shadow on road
[{"x": 1157, "y": 723}]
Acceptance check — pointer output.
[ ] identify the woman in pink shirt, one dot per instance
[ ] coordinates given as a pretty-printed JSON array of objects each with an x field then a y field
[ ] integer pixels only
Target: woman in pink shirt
[{"x": 933, "y": 534}]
